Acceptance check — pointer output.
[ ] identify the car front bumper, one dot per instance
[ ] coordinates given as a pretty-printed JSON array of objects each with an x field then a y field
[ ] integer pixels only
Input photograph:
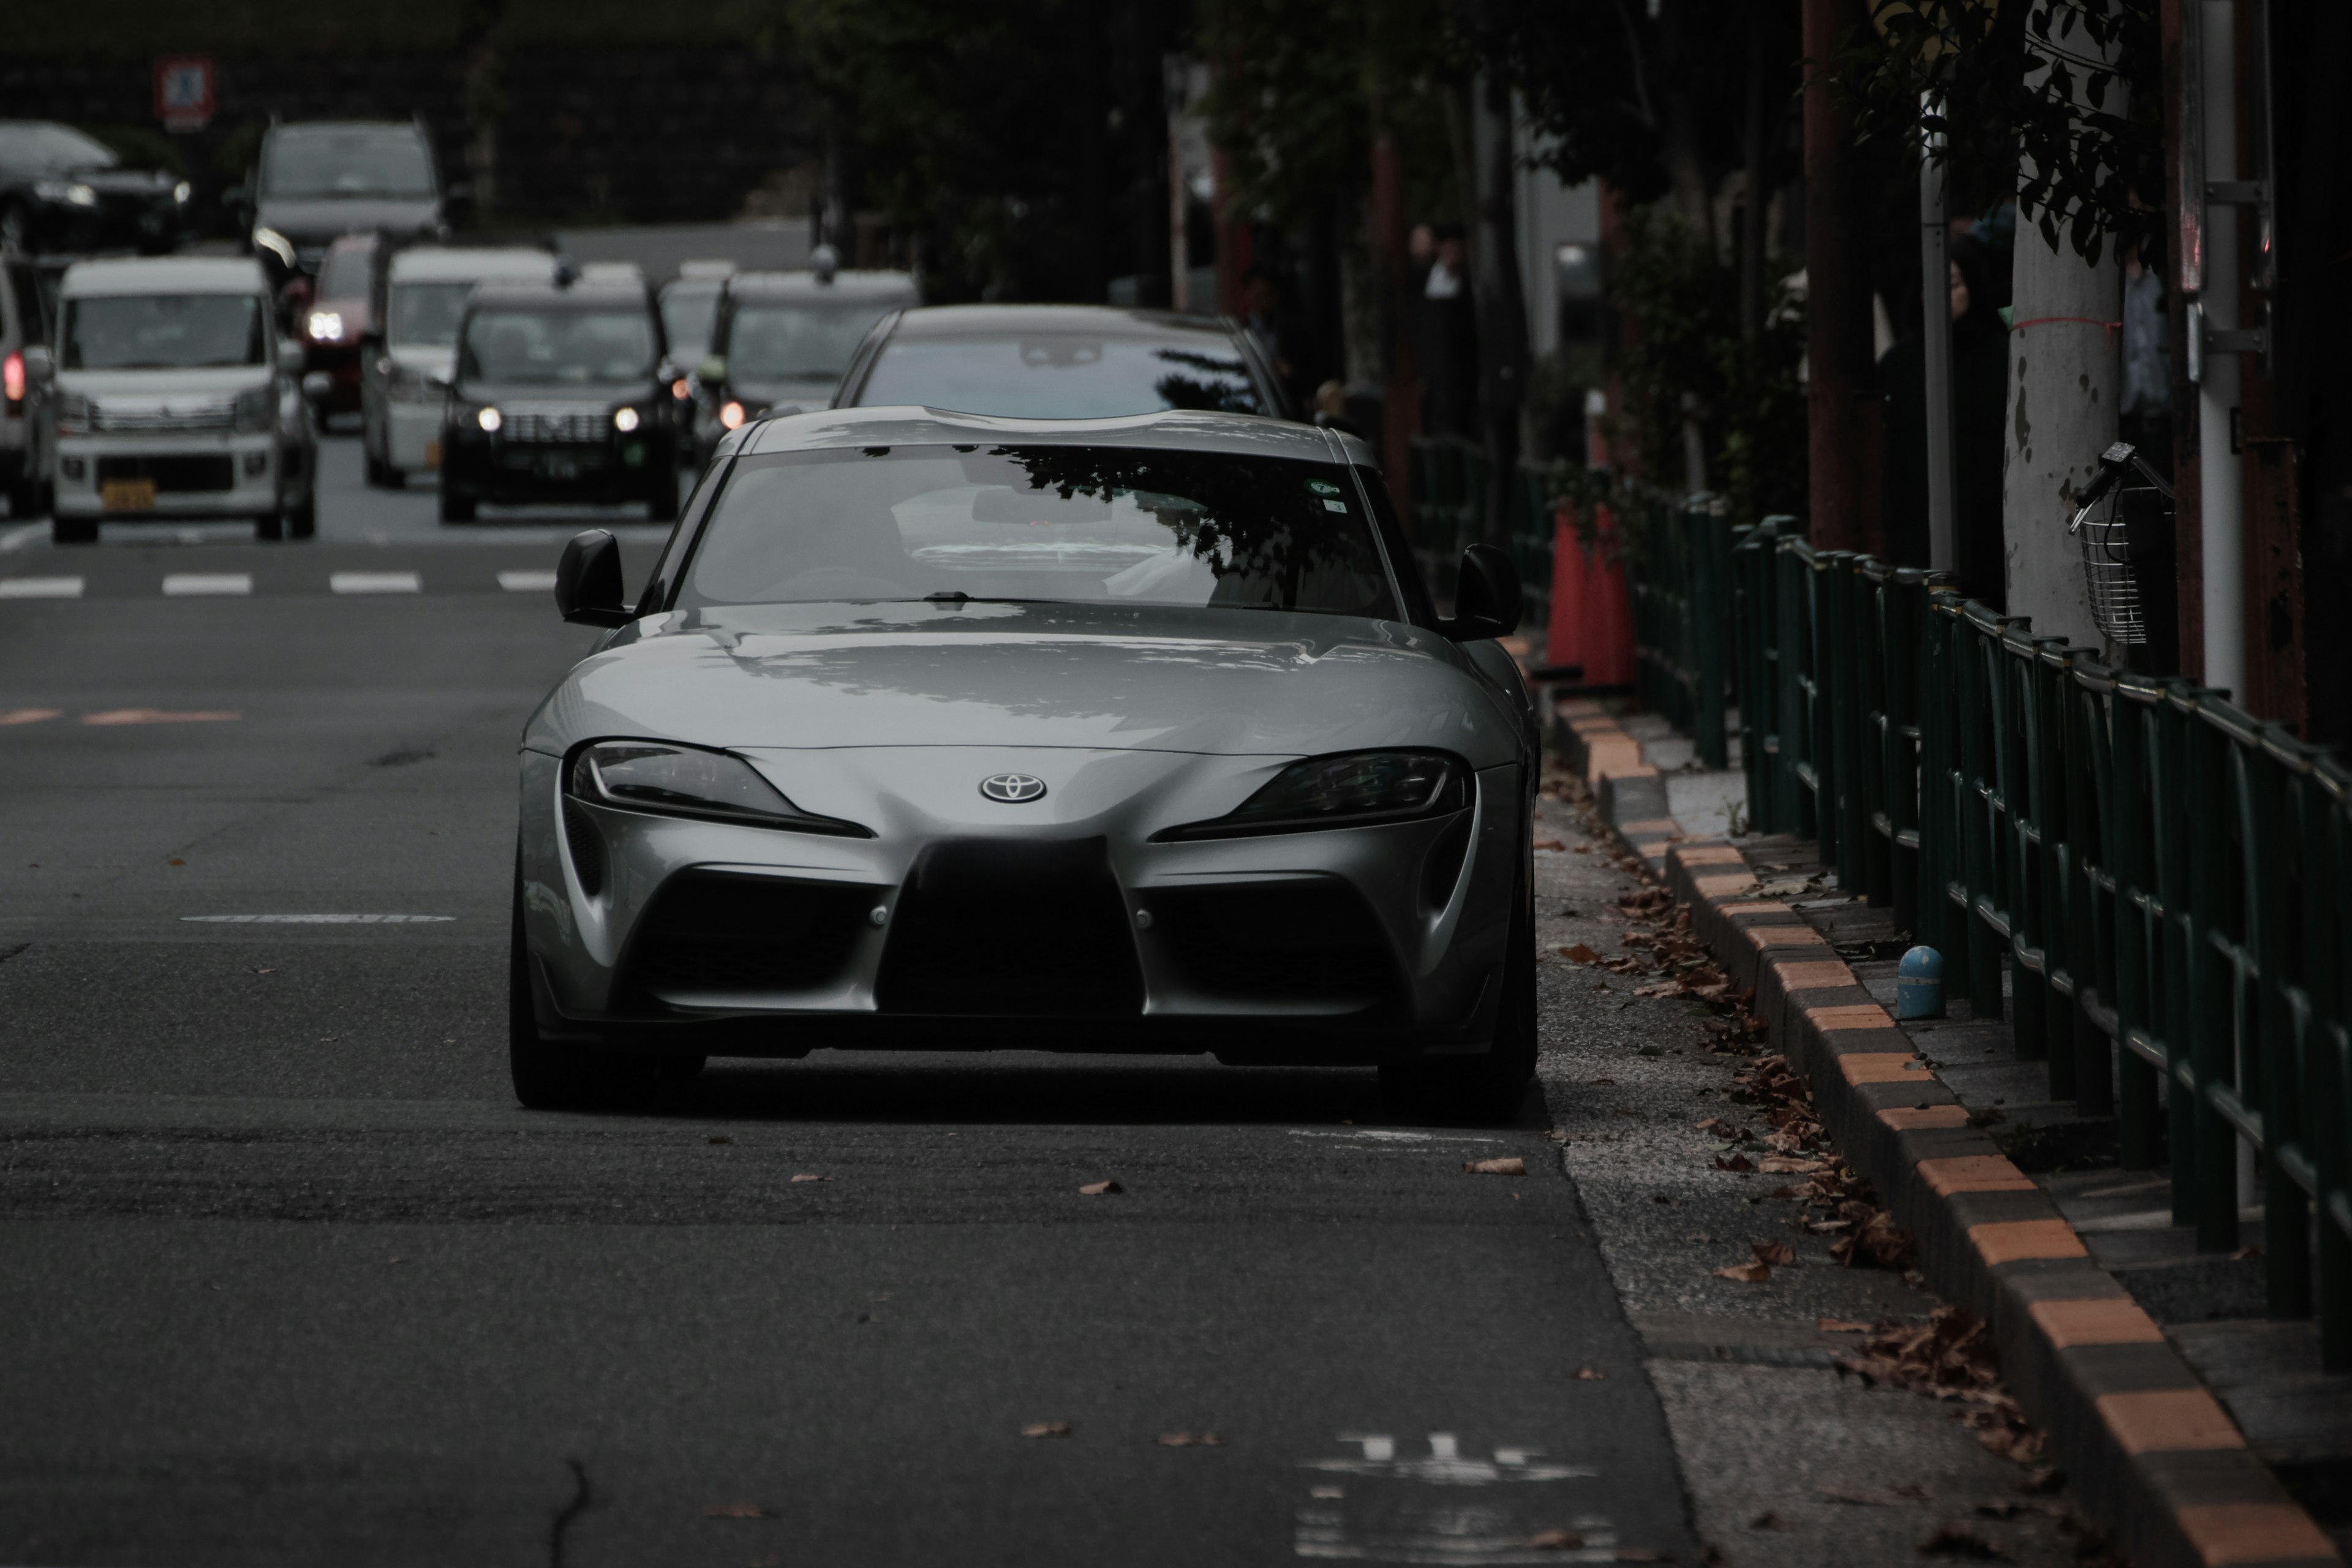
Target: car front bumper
[
  {"x": 413, "y": 436},
  {"x": 952, "y": 929},
  {"x": 509, "y": 473},
  {"x": 193, "y": 476}
]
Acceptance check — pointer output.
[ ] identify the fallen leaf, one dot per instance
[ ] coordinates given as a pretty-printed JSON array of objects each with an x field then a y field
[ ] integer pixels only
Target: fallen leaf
[
  {"x": 1768, "y": 1520},
  {"x": 1513, "y": 1166},
  {"x": 2246, "y": 1252},
  {"x": 1869, "y": 1496},
  {"x": 265, "y": 971},
  {"x": 736, "y": 1511},
  {"x": 1555, "y": 1540},
  {"x": 1958, "y": 1541},
  {"x": 1191, "y": 1440},
  {"x": 1791, "y": 1165},
  {"x": 1591, "y": 1375},
  {"x": 1584, "y": 849},
  {"x": 1046, "y": 1430},
  {"x": 1558, "y": 1135},
  {"x": 1548, "y": 844},
  {"x": 1780, "y": 1254},
  {"x": 1840, "y": 1326},
  {"x": 175, "y": 860},
  {"x": 1737, "y": 1163},
  {"x": 1577, "y": 953},
  {"x": 811, "y": 1176},
  {"x": 1101, "y": 1189},
  {"x": 1746, "y": 1273}
]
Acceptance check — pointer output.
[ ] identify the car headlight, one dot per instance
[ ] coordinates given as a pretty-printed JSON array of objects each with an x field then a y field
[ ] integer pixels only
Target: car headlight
[
  {"x": 277, "y": 243},
  {"x": 1353, "y": 789},
  {"x": 182, "y": 192},
  {"x": 326, "y": 326},
  {"x": 685, "y": 781},
  {"x": 254, "y": 407},
  {"x": 488, "y": 418},
  {"x": 624, "y": 420},
  {"x": 72, "y": 192},
  {"x": 73, "y": 414},
  {"x": 730, "y": 414}
]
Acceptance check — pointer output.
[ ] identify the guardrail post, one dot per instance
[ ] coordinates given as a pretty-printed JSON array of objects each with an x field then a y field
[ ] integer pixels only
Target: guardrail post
[
  {"x": 1709, "y": 607},
  {"x": 2131, "y": 853},
  {"x": 1792, "y": 598}
]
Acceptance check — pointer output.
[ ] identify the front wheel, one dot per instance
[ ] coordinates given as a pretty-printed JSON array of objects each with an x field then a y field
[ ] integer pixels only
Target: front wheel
[
  {"x": 72, "y": 529},
  {"x": 551, "y": 1075},
  {"x": 1488, "y": 1088},
  {"x": 302, "y": 521},
  {"x": 269, "y": 526},
  {"x": 455, "y": 506}
]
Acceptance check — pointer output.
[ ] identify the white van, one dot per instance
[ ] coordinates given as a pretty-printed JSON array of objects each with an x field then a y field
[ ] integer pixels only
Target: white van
[
  {"x": 404, "y": 369},
  {"x": 176, "y": 400}
]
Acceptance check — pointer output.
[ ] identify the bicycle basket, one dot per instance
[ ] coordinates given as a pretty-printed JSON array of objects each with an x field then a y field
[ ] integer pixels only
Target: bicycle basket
[{"x": 2125, "y": 521}]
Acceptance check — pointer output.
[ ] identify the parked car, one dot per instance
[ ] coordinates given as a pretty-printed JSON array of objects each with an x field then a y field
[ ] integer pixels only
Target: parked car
[
  {"x": 782, "y": 339},
  {"x": 689, "y": 308},
  {"x": 561, "y": 394},
  {"x": 411, "y": 350},
  {"x": 1060, "y": 361},
  {"x": 63, "y": 191},
  {"x": 317, "y": 180},
  {"x": 930, "y": 730},
  {"x": 338, "y": 321},
  {"x": 26, "y": 436},
  {"x": 178, "y": 399}
]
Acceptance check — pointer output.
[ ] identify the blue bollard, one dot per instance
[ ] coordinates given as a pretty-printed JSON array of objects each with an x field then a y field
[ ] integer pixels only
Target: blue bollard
[{"x": 1919, "y": 985}]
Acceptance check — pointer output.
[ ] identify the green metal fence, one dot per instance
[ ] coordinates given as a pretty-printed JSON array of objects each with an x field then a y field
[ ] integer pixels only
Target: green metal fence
[
  {"x": 1681, "y": 605},
  {"x": 2165, "y": 880}
]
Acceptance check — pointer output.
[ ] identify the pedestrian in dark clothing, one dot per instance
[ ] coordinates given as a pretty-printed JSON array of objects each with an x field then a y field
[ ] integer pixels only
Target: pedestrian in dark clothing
[
  {"x": 1448, "y": 342},
  {"x": 1979, "y": 407}
]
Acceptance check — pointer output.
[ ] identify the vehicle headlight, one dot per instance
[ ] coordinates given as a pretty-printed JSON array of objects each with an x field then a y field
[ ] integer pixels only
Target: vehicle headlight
[
  {"x": 685, "y": 781},
  {"x": 254, "y": 407},
  {"x": 182, "y": 192},
  {"x": 624, "y": 420},
  {"x": 326, "y": 326},
  {"x": 72, "y": 192},
  {"x": 73, "y": 414},
  {"x": 1350, "y": 790},
  {"x": 730, "y": 414},
  {"x": 277, "y": 243},
  {"x": 487, "y": 418}
]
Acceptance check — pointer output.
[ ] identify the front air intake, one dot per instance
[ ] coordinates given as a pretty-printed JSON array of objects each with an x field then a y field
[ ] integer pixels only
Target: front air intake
[{"x": 1012, "y": 927}]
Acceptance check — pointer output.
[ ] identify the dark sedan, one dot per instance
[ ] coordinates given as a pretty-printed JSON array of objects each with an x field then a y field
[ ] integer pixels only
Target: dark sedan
[
  {"x": 61, "y": 191},
  {"x": 561, "y": 395},
  {"x": 1060, "y": 361}
]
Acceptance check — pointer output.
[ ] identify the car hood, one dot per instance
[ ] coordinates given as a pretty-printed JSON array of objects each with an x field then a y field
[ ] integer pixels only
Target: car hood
[
  {"x": 316, "y": 221},
  {"x": 127, "y": 388},
  {"x": 1225, "y": 682}
]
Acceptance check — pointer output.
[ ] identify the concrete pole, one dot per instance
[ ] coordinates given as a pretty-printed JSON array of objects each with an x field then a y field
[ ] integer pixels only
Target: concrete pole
[
  {"x": 2221, "y": 489},
  {"x": 2065, "y": 379},
  {"x": 1935, "y": 324},
  {"x": 1838, "y": 357}
]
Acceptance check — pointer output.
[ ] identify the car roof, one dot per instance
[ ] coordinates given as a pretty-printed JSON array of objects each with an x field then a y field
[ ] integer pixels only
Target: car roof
[
  {"x": 1174, "y": 429},
  {"x": 583, "y": 296},
  {"x": 879, "y": 288},
  {"x": 166, "y": 274},
  {"x": 991, "y": 321},
  {"x": 471, "y": 264}
]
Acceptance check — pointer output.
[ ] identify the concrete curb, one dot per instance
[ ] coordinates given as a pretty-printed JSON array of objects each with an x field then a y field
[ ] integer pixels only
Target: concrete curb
[{"x": 2156, "y": 1458}]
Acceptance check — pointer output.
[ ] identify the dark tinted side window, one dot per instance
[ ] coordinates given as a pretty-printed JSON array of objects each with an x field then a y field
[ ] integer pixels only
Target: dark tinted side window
[{"x": 1420, "y": 608}]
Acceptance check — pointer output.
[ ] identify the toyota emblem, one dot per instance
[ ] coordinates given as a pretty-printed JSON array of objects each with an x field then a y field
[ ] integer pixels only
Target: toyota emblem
[{"x": 1013, "y": 789}]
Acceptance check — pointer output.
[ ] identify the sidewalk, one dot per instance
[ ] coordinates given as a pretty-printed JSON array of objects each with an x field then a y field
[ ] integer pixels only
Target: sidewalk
[{"x": 2198, "y": 1431}]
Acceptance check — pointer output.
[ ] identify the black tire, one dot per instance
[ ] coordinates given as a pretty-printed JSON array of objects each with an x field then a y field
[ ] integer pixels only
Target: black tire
[
  {"x": 374, "y": 465},
  {"x": 456, "y": 505},
  {"x": 269, "y": 526},
  {"x": 1489, "y": 1087},
  {"x": 556, "y": 1076},
  {"x": 302, "y": 521},
  {"x": 73, "y": 530},
  {"x": 394, "y": 478},
  {"x": 24, "y": 500}
]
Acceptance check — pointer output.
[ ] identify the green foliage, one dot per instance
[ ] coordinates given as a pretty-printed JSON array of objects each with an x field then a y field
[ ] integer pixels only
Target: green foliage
[{"x": 2070, "y": 90}]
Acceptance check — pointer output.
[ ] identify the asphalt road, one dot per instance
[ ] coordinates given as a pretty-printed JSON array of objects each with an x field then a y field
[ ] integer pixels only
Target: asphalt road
[{"x": 288, "y": 1278}]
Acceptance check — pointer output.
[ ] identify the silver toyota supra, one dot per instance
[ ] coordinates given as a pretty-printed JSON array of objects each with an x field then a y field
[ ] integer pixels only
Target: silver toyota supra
[{"x": 940, "y": 732}]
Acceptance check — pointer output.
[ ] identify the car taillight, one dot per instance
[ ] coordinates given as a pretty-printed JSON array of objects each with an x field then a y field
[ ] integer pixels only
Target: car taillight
[{"x": 12, "y": 381}]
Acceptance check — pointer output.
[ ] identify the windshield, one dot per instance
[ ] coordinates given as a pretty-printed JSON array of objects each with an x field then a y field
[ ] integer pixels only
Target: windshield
[
  {"x": 428, "y": 313},
  {"x": 163, "y": 332},
  {"x": 776, "y": 342},
  {"x": 52, "y": 150},
  {"x": 322, "y": 164},
  {"x": 687, "y": 311},
  {"x": 569, "y": 348},
  {"x": 1106, "y": 524},
  {"x": 1063, "y": 377}
]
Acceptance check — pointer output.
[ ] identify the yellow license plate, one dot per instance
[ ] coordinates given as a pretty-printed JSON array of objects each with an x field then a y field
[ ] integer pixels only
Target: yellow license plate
[
  {"x": 431, "y": 453},
  {"x": 127, "y": 495}
]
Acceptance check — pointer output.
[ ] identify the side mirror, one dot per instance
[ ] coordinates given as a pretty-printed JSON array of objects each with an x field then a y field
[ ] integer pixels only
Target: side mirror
[
  {"x": 1486, "y": 599},
  {"x": 443, "y": 379},
  {"x": 289, "y": 357},
  {"x": 713, "y": 371},
  {"x": 37, "y": 362},
  {"x": 588, "y": 580}
]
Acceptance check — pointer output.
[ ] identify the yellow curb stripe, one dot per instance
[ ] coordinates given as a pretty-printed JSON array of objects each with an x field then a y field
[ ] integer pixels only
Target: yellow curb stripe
[
  {"x": 1813, "y": 973},
  {"x": 2009, "y": 1241},
  {"x": 2227, "y": 1532},
  {"x": 2096, "y": 1321},
  {"x": 1849, "y": 1015},
  {"x": 1924, "y": 1117},
  {"x": 1882, "y": 1067},
  {"x": 2168, "y": 1420},
  {"x": 1973, "y": 1174}
]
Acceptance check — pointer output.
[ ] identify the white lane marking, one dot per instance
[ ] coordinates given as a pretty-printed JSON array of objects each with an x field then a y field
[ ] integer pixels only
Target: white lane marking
[
  {"x": 526, "y": 582},
  {"x": 195, "y": 584},
  {"x": 1445, "y": 1467},
  {"x": 21, "y": 535},
  {"x": 113, "y": 716},
  {"x": 1384, "y": 1136},
  {"x": 319, "y": 920},
  {"x": 40, "y": 587},
  {"x": 375, "y": 583},
  {"x": 28, "y": 715}
]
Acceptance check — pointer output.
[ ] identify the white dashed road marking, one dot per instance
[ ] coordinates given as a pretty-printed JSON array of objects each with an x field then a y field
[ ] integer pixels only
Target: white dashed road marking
[
  {"x": 188, "y": 585},
  {"x": 376, "y": 583},
  {"x": 526, "y": 582},
  {"x": 40, "y": 587},
  {"x": 319, "y": 920}
]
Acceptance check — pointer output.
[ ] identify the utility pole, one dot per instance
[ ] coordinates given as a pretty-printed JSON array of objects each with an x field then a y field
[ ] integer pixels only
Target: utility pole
[
  {"x": 2210, "y": 152},
  {"x": 1936, "y": 327},
  {"x": 1502, "y": 307},
  {"x": 1838, "y": 362}
]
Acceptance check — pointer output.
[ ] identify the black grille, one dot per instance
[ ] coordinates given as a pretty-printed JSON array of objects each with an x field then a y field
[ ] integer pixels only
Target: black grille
[
  {"x": 173, "y": 471},
  {"x": 1306, "y": 941},
  {"x": 708, "y": 931},
  {"x": 1012, "y": 927},
  {"x": 587, "y": 849}
]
